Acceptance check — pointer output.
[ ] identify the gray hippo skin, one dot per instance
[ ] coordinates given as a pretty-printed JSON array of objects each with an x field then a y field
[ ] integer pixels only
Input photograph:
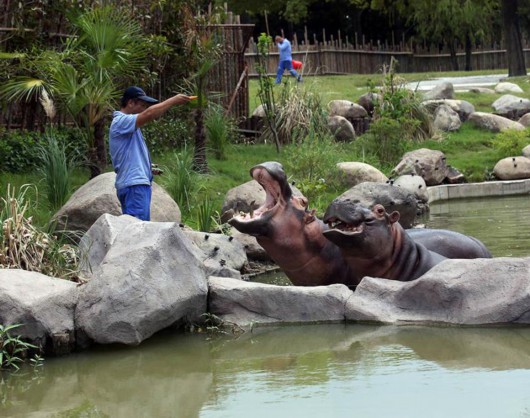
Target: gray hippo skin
[
  {"x": 291, "y": 234},
  {"x": 450, "y": 244},
  {"x": 374, "y": 244}
]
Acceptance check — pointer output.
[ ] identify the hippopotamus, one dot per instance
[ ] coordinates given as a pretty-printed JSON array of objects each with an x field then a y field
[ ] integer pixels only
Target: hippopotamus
[
  {"x": 373, "y": 243},
  {"x": 290, "y": 233}
]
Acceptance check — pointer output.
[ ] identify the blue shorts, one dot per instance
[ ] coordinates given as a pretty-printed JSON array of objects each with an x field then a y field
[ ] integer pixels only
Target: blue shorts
[{"x": 136, "y": 201}]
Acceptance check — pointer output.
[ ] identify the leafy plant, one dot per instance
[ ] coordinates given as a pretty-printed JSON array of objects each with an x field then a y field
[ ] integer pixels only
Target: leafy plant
[
  {"x": 219, "y": 130},
  {"x": 205, "y": 215},
  {"x": 510, "y": 142},
  {"x": 181, "y": 181},
  {"x": 13, "y": 350},
  {"x": 24, "y": 246}
]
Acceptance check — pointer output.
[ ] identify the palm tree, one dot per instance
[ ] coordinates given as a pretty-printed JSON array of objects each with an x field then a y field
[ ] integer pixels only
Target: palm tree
[{"x": 88, "y": 75}]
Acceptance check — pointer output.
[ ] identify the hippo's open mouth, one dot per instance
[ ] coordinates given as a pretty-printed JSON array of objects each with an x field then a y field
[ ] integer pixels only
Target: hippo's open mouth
[
  {"x": 272, "y": 178},
  {"x": 344, "y": 227}
]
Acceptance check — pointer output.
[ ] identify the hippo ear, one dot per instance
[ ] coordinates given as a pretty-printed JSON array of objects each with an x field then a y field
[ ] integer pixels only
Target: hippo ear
[{"x": 394, "y": 217}]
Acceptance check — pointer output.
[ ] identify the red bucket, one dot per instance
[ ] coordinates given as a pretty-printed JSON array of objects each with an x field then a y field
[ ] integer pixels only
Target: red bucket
[{"x": 297, "y": 64}]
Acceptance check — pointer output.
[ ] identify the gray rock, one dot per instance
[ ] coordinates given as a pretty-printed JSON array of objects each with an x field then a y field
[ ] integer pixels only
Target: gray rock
[
  {"x": 471, "y": 292},
  {"x": 151, "y": 278},
  {"x": 355, "y": 172},
  {"x": 512, "y": 168},
  {"x": 245, "y": 304},
  {"x": 43, "y": 305},
  {"x": 443, "y": 90},
  {"x": 341, "y": 128},
  {"x": 347, "y": 109},
  {"x": 493, "y": 123},
  {"x": 368, "y": 101},
  {"x": 511, "y": 107},
  {"x": 525, "y": 120},
  {"x": 462, "y": 107},
  {"x": 254, "y": 251},
  {"x": 446, "y": 119},
  {"x": 526, "y": 151},
  {"x": 413, "y": 184},
  {"x": 429, "y": 164},
  {"x": 392, "y": 198},
  {"x": 482, "y": 90},
  {"x": 505, "y": 87},
  {"x": 98, "y": 196}
]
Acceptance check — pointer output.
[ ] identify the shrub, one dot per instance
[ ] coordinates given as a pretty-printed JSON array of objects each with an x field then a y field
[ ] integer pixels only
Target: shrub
[
  {"x": 219, "y": 131},
  {"x": 13, "y": 350},
  {"x": 510, "y": 142},
  {"x": 170, "y": 133}
]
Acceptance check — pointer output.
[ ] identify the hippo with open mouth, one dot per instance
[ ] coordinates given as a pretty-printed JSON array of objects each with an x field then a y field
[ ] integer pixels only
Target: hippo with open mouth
[
  {"x": 291, "y": 234},
  {"x": 374, "y": 244}
]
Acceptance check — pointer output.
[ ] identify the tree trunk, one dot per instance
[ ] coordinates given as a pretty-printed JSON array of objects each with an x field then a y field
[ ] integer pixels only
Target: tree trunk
[
  {"x": 512, "y": 39},
  {"x": 469, "y": 66},
  {"x": 452, "y": 52},
  {"x": 93, "y": 162},
  {"x": 200, "y": 163}
]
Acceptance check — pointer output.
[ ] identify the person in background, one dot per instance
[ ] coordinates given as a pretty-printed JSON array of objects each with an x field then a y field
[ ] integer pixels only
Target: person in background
[
  {"x": 128, "y": 150},
  {"x": 286, "y": 59}
]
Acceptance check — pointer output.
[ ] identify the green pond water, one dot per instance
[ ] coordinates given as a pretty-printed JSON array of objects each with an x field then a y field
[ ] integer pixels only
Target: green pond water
[{"x": 328, "y": 370}]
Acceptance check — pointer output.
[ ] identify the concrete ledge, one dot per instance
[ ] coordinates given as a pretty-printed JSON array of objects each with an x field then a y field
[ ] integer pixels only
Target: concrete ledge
[{"x": 489, "y": 188}]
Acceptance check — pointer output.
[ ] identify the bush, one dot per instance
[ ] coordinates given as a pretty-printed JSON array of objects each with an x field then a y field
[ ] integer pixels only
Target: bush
[
  {"x": 219, "y": 131},
  {"x": 510, "y": 142},
  {"x": 20, "y": 149},
  {"x": 170, "y": 133}
]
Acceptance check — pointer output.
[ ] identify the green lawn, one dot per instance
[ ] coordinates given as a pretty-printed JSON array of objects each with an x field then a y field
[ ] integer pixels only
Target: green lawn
[{"x": 469, "y": 150}]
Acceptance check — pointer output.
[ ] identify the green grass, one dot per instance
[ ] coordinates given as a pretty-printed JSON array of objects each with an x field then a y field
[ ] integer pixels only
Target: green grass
[{"x": 470, "y": 150}]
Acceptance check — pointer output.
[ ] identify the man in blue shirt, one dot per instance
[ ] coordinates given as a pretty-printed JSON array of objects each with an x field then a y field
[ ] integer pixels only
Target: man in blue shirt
[
  {"x": 128, "y": 150},
  {"x": 286, "y": 59}
]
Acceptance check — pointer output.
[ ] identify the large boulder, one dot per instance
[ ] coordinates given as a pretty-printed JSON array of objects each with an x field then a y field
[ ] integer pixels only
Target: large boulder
[
  {"x": 525, "y": 120},
  {"x": 243, "y": 303},
  {"x": 368, "y": 101},
  {"x": 429, "y": 164},
  {"x": 413, "y": 184},
  {"x": 151, "y": 277},
  {"x": 471, "y": 292},
  {"x": 462, "y": 107},
  {"x": 253, "y": 250},
  {"x": 443, "y": 90},
  {"x": 505, "y": 87},
  {"x": 43, "y": 305},
  {"x": 354, "y": 173},
  {"x": 446, "y": 119},
  {"x": 511, "y": 107},
  {"x": 347, "y": 109},
  {"x": 341, "y": 128},
  {"x": 98, "y": 196},
  {"x": 392, "y": 198},
  {"x": 493, "y": 123},
  {"x": 512, "y": 168}
]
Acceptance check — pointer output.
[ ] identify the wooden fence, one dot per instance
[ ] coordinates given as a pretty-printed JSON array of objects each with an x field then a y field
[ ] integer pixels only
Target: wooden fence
[{"x": 338, "y": 55}]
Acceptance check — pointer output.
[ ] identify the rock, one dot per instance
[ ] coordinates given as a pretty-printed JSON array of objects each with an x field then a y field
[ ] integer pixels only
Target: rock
[
  {"x": 354, "y": 173},
  {"x": 392, "y": 198},
  {"x": 482, "y": 90},
  {"x": 454, "y": 176},
  {"x": 525, "y": 120},
  {"x": 463, "y": 108},
  {"x": 512, "y": 168},
  {"x": 368, "y": 101},
  {"x": 347, "y": 109},
  {"x": 98, "y": 196},
  {"x": 505, "y": 87},
  {"x": 246, "y": 304},
  {"x": 254, "y": 251},
  {"x": 493, "y": 123},
  {"x": 259, "y": 111},
  {"x": 443, "y": 90},
  {"x": 151, "y": 277},
  {"x": 221, "y": 250},
  {"x": 511, "y": 107},
  {"x": 429, "y": 164},
  {"x": 95, "y": 243},
  {"x": 413, "y": 184},
  {"x": 341, "y": 128},
  {"x": 43, "y": 305},
  {"x": 471, "y": 292},
  {"x": 526, "y": 151},
  {"x": 446, "y": 119}
]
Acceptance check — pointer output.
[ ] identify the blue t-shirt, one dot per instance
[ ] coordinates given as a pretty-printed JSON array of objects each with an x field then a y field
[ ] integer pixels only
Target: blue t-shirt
[
  {"x": 285, "y": 50},
  {"x": 128, "y": 152}
]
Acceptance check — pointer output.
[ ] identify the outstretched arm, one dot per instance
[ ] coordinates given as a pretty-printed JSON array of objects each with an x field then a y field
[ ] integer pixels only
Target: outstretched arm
[{"x": 157, "y": 110}]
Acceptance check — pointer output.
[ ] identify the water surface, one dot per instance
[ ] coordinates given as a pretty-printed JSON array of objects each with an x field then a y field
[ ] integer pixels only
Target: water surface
[{"x": 304, "y": 371}]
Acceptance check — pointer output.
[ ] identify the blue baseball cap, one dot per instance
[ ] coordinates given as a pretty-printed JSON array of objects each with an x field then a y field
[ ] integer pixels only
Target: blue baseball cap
[{"x": 134, "y": 92}]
